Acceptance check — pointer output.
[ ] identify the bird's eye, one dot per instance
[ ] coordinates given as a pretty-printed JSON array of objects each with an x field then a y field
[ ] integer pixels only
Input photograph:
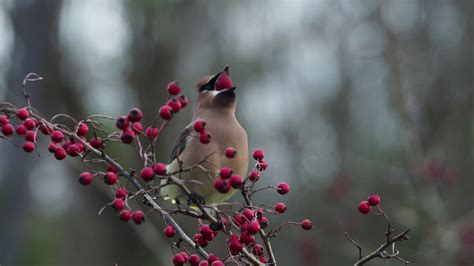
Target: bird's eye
[{"x": 205, "y": 88}]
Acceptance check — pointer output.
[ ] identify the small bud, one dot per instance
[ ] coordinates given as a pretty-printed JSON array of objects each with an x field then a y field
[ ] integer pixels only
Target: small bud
[
  {"x": 85, "y": 178},
  {"x": 258, "y": 154},
  {"x": 364, "y": 207},
  {"x": 283, "y": 188},
  {"x": 173, "y": 88},
  {"x": 307, "y": 224},
  {"x": 138, "y": 217},
  {"x": 166, "y": 112},
  {"x": 169, "y": 231},
  {"x": 280, "y": 207},
  {"x": 23, "y": 114},
  {"x": 147, "y": 174},
  {"x": 230, "y": 152},
  {"x": 135, "y": 115}
]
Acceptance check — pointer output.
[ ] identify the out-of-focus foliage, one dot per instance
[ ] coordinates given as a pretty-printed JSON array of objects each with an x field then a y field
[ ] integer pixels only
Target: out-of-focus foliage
[{"x": 346, "y": 97}]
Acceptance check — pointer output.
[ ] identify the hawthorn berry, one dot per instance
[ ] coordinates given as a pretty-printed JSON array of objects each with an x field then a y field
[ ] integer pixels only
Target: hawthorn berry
[
  {"x": 217, "y": 263},
  {"x": 160, "y": 169},
  {"x": 263, "y": 221},
  {"x": 373, "y": 199},
  {"x": 96, "y": 143},
  {"x": 29, "y": 124},
  {"x": 118, "y": 204},
  {"x": 135, "y": 115},
  {"x": 235, "y": 247},
  {"x": 152, "y": 132},
  {"x": 138, "y": 217},
  {"x": 199, "y": 239},
  {"x": 4, "y": 120},
  {"x": 257, "y": 250},
  {"x": 212, "y": 257},
  {"x": 7, "y": 129},
  {"x": 207, "y": 232},
  {"x": 185, "y": 255},
  {"x": 23, "y": 114},
  {"x": 29, "y": 146},
  {"x": 307, "y": 224},
  {"x": 82, "y": 129},
  {"x": 166, "y": 112},
  {"x": 263, "y": 259},
  {"x": 262, "y": 165},
  {"x": 73, "y": 150},
  {"x": 222, "y": 185},
  {"x": 30, "y": 136},
  {"x": 364, "y": 207},
  {"x": 235, "y": 181},
  {"x": 194, "y": 260},
  {"x": 173, "y": 88},
  {"x": 60, "y": 153},
  {"x": 280, "y": 207},
  {"x": 21, "y": 130},
  {"x": 230, "y": 152},
  {"x": 52, "y": 147},
  {"x": 239, "y": 219},
  {"x": 183, "y": 100},
  {"x": 147, "y": 174},
  {"x": 174, "y": 104},
  {"x": 225, "y": 172},
  {"x": 127, "y": 136},
  {"x": 224, "y": 82},
  {"x": 45, "y": 129},
  {"x": 258, "y": 154},
  {"x": 253, "y": 228},
  {"x": 111, "y": 168},
  {"x": 57, "y": 136},
  {"x": 254, "y": 176},
  {"x": 137, "y": 127},
  {"x": 247, "y": 239},
  {"x": 199, "y": 125},
  {"x": 125, "y": 215},
  {"x": 283, "y": 188},
  {"x": 121, "y": 193},
  {"x": 248, "y": 213},
  {"x": 205, "y": 137},
  {"x": 122, "y": 123},
  {"x": 85, "y": 178},
  {"x": 169, "y": 231},
  {"x": 110, "y": 178}
]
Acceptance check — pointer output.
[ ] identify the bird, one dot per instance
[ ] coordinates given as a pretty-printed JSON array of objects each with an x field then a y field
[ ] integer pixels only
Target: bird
[{"x": 216, "y": 105}]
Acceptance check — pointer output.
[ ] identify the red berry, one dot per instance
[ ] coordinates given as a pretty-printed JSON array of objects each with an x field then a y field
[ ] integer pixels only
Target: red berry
[
  {"x": 21, "y": 130},
  {"x": 147, "y": 174},
  {"x": 173, "y": 88},
  {"x": 374, "y": 199},
  {"x": 127, "y": 136},
  {"x": 307, "y": 224},
  {"x": 247, "y": 239},
  {"x": 174, "y": 104},
  {"x": 263, "y": 259},
  {"x": 207, "y": 232},
  {"x": 230, "y": 152},
  {"x": 364, "y": 207},
  {"x": 73, "y": 150},
  {"x": 254, "y": 176},
  {"x": 178, "y": 260},
  {"x": 45, "y": 129},
  {"x": 96, "y": 143},
  {"x": 82, "y": 129},
  {"x": 212, "y": 257},
  {"x": 7, "y": 129},
  {"x": 280, "y": 207},
  {"x": 30, "y": 136},
  {"x": 29, "y": 146},
  {"x": 118, "y": 204},
  {"x": 262, "y": 165},
  {"x": 225, "y": 172},
  {"x": 183, "y": 100},
  {"x": 166, "y": 112},
  {"x": 199, "y": 125},
  {"x": 248, "y": 213},
  {"x": 224, "y": 82},
  {"x": 169, "y": 231},
  {"x": 235, "y": 247},
  {"x": 200, "y": 240},
  {"x": 23, "y": 114},
  {"x": 283, "y": 188},
  {"x": 185, "y": 255},
  {"x": 122, "y": 123},
  {"x": 217, "y": 263},
  {"x": 110, "y": 178},
  {"x": 239, "y": 219},
  {"x": 85, "y": 178},
  {"x": 60, "y": 153},
  {"x": 194, "y": 260},
  {"x": 125, "y": 215},
  {"x": 258, "y": 154},
  {"x": 152, "y": 132},
  {"x": 222, "y": 185},
  {"x": 257, "y": 250},
  {"x": 57, "y": 136},
  {"x": 111, "y": 168},
  {"x": 135, "y": 115},
  {"x": 138, "y": 217},
  {"x": 235, "y": 181},
  {"x": 205, "y": 137},
  {"x": 29, "y": 124},
  {"x": 52, "y": 147},
  {"x": 4, "y": 120},
  {"x": 137, "y": 127},
  {"x": 160, "y": 169},
  {"x": 263, "y": 221},
  {"x": 253, "y": 228},
  {"x": 121, "y": 193}
]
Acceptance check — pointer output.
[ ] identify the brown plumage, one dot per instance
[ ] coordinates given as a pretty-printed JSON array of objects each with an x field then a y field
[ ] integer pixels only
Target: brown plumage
[{"x": 217, "y": 109}]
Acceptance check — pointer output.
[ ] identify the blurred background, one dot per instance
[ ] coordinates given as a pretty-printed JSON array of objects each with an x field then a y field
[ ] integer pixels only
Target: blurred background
[{"x": 346, "y": 97}]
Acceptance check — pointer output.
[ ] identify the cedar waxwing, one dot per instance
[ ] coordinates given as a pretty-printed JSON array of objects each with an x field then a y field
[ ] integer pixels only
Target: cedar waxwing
[{"x": 216, "y": 104}]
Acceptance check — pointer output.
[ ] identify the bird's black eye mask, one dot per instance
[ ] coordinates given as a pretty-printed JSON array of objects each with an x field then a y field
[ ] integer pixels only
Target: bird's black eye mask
[{"x": 210, "y": 85}]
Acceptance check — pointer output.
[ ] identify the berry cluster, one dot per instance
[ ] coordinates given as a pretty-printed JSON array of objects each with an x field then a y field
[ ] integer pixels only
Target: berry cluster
[{"x": 372, "y": 200}]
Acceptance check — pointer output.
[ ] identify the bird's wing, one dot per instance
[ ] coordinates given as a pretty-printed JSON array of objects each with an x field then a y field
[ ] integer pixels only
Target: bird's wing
[{"x": 181, "y": 142}]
